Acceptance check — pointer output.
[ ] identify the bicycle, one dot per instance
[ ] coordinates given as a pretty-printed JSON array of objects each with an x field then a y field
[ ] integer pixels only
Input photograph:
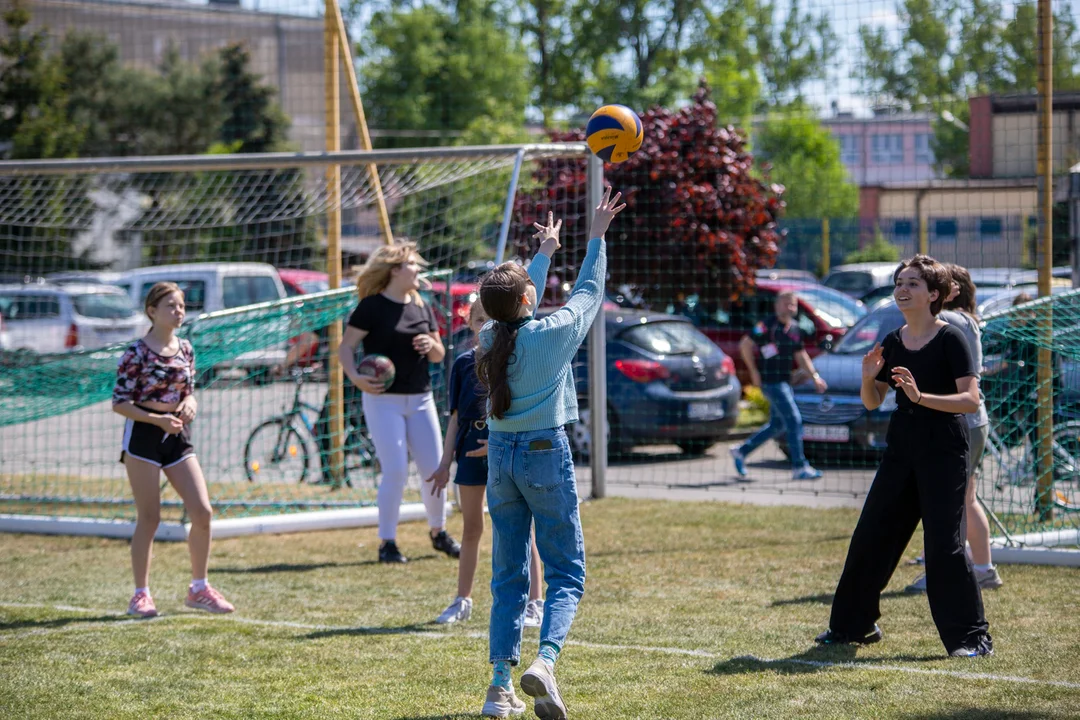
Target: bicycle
[
  {"x": 277, "y": 451},
  {"x": 1016, "y": 464}
]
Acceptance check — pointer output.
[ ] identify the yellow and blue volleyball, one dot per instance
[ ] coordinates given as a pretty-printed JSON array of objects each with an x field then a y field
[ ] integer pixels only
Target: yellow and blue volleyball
[{"x": 614, "y": 133}]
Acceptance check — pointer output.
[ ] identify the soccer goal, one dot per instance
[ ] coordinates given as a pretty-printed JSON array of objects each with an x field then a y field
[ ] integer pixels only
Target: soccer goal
[{"x": 72, "y": 223}]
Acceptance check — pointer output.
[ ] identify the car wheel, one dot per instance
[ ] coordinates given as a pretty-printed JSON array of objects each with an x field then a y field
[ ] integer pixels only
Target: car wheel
[
  {"x": 580, "y": 435},
  {"x": 697, "y": 446}
]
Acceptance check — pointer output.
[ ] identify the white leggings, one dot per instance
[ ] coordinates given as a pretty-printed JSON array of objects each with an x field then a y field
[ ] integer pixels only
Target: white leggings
[{"x": 400, "y": 425}]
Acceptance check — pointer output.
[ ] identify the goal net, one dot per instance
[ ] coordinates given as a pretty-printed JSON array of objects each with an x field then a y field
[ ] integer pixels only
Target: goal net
[{"x": 81, "y": 242}]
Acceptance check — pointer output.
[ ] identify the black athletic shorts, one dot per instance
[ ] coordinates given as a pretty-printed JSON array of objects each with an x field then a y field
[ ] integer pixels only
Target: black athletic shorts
[
  {"x": 151, "y": 444},
  {"x": 472, "y": 470}
]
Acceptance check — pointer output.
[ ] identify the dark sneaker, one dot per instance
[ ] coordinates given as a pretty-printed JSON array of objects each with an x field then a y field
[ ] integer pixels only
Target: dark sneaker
[
  {"x": 832, "y": 638},
  {"x": 389, "y": 553},
  {"x": 444, "y": 543},
  {"x": 983, "y": 647}
]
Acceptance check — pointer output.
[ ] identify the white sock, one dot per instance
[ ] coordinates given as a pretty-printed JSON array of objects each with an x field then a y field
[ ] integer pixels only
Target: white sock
[
  {"x": 984, "y": 568},
  {"x": 142, "y": 590},
  {"x": 198, "y": 585}
]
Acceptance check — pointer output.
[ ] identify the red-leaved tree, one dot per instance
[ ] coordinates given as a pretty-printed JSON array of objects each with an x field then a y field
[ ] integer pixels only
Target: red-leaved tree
[{"x": 697, "y": 220}]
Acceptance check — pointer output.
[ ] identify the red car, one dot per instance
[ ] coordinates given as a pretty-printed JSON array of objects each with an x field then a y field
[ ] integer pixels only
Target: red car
[
  {"x": 304, "y": 282},
  {"x": 462, "y": 295},
  {"x": 824, "y": 314}
]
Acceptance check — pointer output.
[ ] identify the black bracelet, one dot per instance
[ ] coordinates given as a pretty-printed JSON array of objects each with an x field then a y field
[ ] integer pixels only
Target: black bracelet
[{"x": 919, "y": 401}]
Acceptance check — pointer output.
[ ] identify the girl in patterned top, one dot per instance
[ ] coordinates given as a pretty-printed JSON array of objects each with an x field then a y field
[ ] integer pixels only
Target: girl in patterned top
[{"x": 154, "y": 385}]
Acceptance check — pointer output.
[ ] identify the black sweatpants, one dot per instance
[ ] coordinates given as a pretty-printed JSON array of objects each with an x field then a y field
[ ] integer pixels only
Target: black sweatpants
[{"x": 923, "y": 475}]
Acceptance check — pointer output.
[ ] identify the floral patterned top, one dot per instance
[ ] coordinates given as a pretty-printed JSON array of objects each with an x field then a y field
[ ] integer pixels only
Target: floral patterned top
[{"x": 145, "y": 376}]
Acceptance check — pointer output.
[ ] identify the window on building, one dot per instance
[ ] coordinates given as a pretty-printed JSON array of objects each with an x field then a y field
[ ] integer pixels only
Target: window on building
[
  {"x": 849, "y": 149},
  {"x": 887, "y": 149},
  {"x": 903, "y": 229},
  {"x": 945, "y": 229},
  {"x": 923, "y": 153},
  {"x": 990, "y": 228}
]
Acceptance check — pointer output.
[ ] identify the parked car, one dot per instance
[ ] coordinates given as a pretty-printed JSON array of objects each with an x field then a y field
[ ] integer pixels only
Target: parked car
[
  {"x": 210, "y": 287},
  {"x": 86, "y": 277},
  {"x": 868, "y": 282},
  {"x": 462, "y": 295},
  {"x": 303, "y": 282},
  {"x": 784, "y": 274},
  {"x": 47, "y": 318},
  {"x": 667, "y": 383},
  {"x": 824, "y": 315},
  {"x": 837, "y": 428}
]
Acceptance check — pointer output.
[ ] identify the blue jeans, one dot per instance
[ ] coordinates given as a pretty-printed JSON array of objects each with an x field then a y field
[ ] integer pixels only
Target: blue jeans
[
  {"x": 784, "y": 417},
  {"x": 526, "y": 486}
]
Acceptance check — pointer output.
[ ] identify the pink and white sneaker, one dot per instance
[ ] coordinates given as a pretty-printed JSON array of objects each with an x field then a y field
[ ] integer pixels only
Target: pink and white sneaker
[
  {"x": 208, "y": 599},
  {"x": 142, "y": 605}
]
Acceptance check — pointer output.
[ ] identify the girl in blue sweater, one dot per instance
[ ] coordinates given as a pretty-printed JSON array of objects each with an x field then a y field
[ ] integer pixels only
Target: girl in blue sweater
[{"x": 524, "y": 366}]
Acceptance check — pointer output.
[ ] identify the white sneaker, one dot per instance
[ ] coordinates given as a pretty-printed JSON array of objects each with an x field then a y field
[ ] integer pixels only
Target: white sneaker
[
  {"x": 460, "y": 609},
  {"x": 539, "y": 682},
  {"x": 501, "y": 702},
  {"x": 534, "y": 613}
]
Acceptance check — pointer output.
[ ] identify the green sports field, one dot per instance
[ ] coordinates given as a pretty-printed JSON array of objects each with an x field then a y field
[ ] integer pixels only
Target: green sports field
[{"x": 691, "y": 611}]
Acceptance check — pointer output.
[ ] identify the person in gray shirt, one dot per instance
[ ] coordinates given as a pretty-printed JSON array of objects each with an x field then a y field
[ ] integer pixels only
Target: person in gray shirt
[{"x": 960, "y": 312}]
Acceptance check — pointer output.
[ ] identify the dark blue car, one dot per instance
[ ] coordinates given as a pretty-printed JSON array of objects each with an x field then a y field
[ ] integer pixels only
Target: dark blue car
[{"x": 666, "y": 383}]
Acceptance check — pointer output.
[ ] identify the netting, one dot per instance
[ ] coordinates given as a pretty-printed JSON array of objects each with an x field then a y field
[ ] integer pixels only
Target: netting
[
  {"x": 799, "y": 146},
  {"x": 230, "y": 238}
]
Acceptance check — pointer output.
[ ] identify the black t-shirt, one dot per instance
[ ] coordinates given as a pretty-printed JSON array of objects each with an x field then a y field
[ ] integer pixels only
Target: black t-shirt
[
  {"x": 391, "y": 327},
  {"x": 467, "y": 398},
  {"x": 777, "y": 346},
  {"x": 936, "y": 366}
]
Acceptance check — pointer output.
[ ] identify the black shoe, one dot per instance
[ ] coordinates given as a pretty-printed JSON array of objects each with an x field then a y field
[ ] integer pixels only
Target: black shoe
[
  {"x": 833, "y": 638},
  {"x": 444, "y": 543},
  {"x": 389, "y": 553},
  {"x": 981, "y": 647}
]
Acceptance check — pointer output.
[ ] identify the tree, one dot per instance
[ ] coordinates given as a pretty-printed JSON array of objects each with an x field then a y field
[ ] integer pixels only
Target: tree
[
  {"x": 33, "y": 94},
  {"x": 550, "y": 26},
  {"x": 947, "y": 51},
  {"x": 790, "y": 52},
  {"x": 805, "y": 159},
  {"x": 432, "y": 69},
  {"x": 254, "y": 122},
  {"x": 694, "y": 208}
]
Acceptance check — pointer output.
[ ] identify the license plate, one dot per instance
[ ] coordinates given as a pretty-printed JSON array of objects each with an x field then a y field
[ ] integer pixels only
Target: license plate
[
  {"x": 826, "y": 433},
  {"x": 706, "y": 411}
]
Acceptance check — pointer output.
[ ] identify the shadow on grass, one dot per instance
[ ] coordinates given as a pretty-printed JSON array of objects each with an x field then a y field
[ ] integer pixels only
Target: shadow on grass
[
  {"x": 827, "y": 598},
  {"x": 59, "y": 622},
  {"x": 305, "y": 567},
  {"x": 414, "y": 628},
  {"x": 814, "y": 659},
  {"x": 979, "y": 714},
  {"x": 459, "y": 716}
]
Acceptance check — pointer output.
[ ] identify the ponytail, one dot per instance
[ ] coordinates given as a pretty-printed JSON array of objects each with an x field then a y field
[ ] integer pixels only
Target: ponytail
[{"x": 500, "y": 295}]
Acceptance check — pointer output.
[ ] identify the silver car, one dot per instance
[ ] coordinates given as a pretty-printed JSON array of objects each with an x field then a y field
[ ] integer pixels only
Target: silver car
[{"x": 45, "y": 318}]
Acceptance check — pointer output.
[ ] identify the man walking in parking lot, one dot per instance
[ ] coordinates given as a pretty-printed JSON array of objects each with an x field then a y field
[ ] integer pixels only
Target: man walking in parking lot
[{"x": 780, "y": 342}]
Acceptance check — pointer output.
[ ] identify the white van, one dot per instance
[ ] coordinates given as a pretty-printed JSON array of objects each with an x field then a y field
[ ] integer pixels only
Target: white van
[{"x": 210, "y": 287}]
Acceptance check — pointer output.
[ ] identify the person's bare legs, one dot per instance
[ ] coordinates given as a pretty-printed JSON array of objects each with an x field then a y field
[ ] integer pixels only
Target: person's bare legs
[
  {"x": 188, "y": 481},
  {"x": 472, "y": 512},
  {"x": 978, "y": 527},
  {"x": 536, "y": 574},
  {"x": 143, "y": 478}
]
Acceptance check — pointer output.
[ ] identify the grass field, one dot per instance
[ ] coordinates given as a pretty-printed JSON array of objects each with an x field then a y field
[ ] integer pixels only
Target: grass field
[{"x": 691, "y": 611}]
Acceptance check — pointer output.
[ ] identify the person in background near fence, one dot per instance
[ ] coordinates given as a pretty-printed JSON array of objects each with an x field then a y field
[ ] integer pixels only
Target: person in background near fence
[
  {"x": 525, "y": 369},
  {"x": 780, "y": 341},
  {"x": 960, "y": 313},
  {"x": 923, "y": 473},
  {"x": 393, "y": 320},
  {"x": 466, "y": 439},
  {"x": 155, "y": 381}
]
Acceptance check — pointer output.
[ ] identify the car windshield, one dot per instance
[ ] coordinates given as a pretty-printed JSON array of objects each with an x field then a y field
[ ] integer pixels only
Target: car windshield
[
  {"x": 669, "y": 337},
  {"x": 846, "y": 311},
  {"x": 871, "y": 329},
  {"x": 104, "y": 306},
  {"x": 240, "y": 290},
  {"x": 314, "y": 286},
  {"x": 856, "y": 281}
]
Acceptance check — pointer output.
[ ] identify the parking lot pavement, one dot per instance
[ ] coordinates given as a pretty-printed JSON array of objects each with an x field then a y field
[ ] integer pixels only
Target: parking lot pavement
[{"x": 86, "y": 444}]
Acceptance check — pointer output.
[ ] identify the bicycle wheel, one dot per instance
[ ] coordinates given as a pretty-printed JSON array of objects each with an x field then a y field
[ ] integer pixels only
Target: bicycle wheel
[
  {"x": 276, "y": 452},
  {"x": 360, "y": 458},
  {"x": 1067, "y": 466}
]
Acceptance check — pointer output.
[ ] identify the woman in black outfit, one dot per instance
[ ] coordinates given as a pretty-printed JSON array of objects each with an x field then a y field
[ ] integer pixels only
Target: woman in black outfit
[{"x": 923, "y": 474}]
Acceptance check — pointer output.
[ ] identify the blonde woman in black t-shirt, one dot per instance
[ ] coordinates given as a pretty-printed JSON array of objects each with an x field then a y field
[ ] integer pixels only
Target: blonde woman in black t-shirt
[
  {"x": 923, "y": 474},
  {"x": 392, "y": 320}
]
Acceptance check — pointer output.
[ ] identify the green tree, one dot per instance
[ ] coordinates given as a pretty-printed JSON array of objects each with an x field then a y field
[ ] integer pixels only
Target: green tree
[
  {"x": 33, "y": 94},
  {"x": 790, "y": 50},
  {"x": 254, "y": 122},
  {"x": 805, "y": 159},
  {"x": 430, "y": 68},
  {"x": 549, "y": 28}
]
